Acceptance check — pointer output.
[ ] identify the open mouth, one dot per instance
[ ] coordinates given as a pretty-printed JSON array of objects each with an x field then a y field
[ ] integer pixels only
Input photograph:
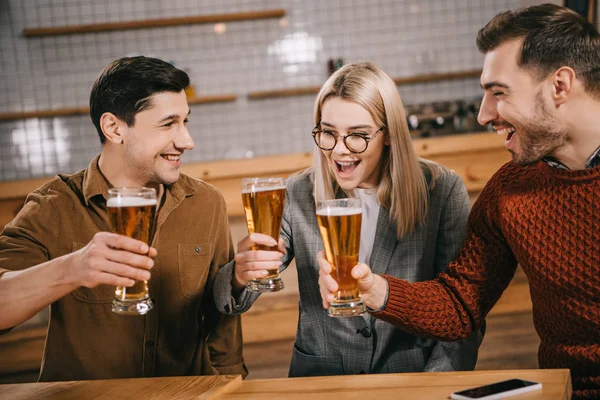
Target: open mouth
[
  {"x": 346, "y": 167},
  {"x": 172, "y": 158},
  {"x": 509, "y": 132}
]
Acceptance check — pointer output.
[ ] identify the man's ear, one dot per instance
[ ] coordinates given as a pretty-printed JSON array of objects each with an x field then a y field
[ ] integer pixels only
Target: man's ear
[
  {"x": 563, "y": 81},
  {"x": 112, "y": 128}
]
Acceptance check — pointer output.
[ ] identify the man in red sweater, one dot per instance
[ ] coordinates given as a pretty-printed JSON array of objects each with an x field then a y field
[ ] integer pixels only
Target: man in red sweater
[{"x": 541, "y": 81}]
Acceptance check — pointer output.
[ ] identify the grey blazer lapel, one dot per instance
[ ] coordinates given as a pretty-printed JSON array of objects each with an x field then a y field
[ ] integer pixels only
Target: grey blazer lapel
[{"x": 385, "y": 243}]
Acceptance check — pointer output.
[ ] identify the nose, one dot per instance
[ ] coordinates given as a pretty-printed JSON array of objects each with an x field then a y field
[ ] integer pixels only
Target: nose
[
  {"x": 488, "y": 111},
  {"x": 340, "y": 147},
  {"x": 184, "y": 140}
]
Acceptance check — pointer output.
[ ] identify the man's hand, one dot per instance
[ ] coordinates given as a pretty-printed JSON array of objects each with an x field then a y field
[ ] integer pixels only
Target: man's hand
[
  {"x": 373, "y": 288},
  {"x": 253, "y": 264},
  {"x": 111, "y": 259}
]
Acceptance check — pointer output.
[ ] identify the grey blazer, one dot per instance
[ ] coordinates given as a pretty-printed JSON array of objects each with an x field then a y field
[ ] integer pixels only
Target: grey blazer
[{"x": 336, "y": 346}]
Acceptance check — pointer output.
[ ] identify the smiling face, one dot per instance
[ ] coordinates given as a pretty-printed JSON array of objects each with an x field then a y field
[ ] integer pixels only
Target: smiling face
[
  {"x": 518, "y": 106},
  {"x": 352, "y": 170},
  {"x": 153, "y": 145}
]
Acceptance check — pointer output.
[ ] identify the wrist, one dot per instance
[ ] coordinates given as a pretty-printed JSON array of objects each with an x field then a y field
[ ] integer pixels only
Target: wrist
[
  {"x": 378, "y": 295},
  {"x": 237, "y": 287},
  {"x": 66, "y": 267}
]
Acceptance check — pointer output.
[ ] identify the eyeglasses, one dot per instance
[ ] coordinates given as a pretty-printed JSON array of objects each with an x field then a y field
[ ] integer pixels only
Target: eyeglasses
[{"x": 355, "y": 142}]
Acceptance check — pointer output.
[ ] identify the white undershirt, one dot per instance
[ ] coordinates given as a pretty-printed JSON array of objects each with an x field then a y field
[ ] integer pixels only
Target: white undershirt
[{"x": 370, "y": 209}]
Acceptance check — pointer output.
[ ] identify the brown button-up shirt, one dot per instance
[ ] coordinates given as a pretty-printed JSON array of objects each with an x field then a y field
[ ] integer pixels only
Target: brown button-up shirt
[{"x": 183, "y": 335}]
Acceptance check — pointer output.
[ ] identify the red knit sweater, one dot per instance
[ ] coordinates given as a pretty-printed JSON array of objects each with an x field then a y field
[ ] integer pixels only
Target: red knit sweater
[{"x": 547, "y": 220}]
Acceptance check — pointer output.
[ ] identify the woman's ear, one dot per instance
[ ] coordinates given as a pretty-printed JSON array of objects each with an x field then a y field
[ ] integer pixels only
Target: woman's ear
[
  {"x": 112, "y": 128},
  {"x": 386, "y": 138}
]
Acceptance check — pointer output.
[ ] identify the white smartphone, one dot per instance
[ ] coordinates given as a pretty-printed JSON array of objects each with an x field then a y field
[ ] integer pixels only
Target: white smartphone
[{"x": 498, "y": 390}]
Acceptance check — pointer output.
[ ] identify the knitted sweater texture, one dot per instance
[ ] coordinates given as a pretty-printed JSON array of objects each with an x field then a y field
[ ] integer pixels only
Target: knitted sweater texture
[{"x": 548, "y": 221}]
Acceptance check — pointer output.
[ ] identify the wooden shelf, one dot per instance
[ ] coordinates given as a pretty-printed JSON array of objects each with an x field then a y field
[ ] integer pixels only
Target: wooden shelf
[
  {"x": 218, "y": 98},
  {"x": 66, "y": 112},
  {"x": 447, "y": 76},
  {"x": 301, "y": 91},
  {"x": 153, "y": 23}
]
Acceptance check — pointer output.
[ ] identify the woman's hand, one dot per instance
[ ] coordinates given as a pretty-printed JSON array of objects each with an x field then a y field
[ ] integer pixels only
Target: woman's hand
[{"x": 253, "y": 264}]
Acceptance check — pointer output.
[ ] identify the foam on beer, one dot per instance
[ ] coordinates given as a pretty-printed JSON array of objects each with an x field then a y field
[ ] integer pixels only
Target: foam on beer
[
  {"x": 130, "y": 202},
  {"x": 339, "y": 211},
  {"x": 262, "y": 189}
]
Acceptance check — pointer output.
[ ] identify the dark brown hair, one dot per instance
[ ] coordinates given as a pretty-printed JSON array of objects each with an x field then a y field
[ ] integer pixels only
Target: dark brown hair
[
  {"x": 126, "y": 86},
  {"x": 553, "y": 37}
]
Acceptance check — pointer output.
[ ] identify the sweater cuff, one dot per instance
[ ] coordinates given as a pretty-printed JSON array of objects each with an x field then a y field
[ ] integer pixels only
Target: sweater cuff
[
  {"x": 396, "y": 308},
  {"x": 387, "y": 296}
]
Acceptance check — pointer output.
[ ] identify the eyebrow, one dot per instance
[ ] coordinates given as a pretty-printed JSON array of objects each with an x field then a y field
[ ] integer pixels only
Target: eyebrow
[
  {"x": 492, "y": 84},
  {"x": 352, "y": 127},
  {"x": 173, "y": 116}
]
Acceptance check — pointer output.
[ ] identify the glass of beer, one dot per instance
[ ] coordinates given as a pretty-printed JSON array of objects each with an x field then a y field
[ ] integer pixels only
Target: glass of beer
[
  {"x": 339, "y": 223},
  {"x": 263, "y": 200},
  {"x": 131, "y": 212}
]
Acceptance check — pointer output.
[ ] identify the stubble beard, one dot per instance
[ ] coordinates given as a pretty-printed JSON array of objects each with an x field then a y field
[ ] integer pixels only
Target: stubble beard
[{"x": 539, "y": 136}]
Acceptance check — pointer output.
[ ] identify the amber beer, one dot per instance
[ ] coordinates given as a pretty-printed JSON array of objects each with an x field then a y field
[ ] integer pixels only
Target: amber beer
[
  {"x": 131, "y": 212},
  {"x": 263, "y": 200},
  {"x": 339, "y": 223}
]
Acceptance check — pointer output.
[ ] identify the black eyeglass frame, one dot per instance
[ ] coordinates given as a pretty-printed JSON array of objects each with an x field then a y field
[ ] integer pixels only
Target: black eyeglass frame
[{"x": 337, "y": 136}]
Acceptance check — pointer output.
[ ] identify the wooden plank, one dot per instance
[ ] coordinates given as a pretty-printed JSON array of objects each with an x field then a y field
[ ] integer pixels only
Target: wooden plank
[
  {"x": 426, "y": 78},
  {"x": 457, "y": 144},
  {"x": 67, "y": 112},
  {"x": 59, "y": 112},
  {"x": 423, "y": 386},
  {"x": 201, "y": 387},
  {"x": 217, "y": 98},
  {"x": 407, "y": 80},
  {"x": 276, "y": 93},
  {"x": 153, "y": 23}
]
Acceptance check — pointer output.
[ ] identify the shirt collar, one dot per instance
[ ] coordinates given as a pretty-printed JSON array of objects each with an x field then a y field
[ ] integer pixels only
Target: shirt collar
[
  {"x": 96, "y": 184},
  {"x": 592, "y": 162}
]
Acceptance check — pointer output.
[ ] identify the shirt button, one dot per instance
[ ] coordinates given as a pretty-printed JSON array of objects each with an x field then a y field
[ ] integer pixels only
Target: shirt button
[
  {"x": 366, "y": 332},
  {"x": 150, "y": 344},
  {"x": 198, "y": 249}
]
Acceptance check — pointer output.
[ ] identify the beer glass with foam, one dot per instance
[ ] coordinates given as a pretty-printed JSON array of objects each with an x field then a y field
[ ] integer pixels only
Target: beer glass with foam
[
  {"x": 263, "y": 200},
  {"x": 339, "y": 223},
  {"x": 131, "y": 212}
]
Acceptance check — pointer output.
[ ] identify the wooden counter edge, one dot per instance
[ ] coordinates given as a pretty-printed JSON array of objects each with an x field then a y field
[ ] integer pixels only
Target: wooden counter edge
[
  {"x": 216, "y": 392},
  {"x": 563, "y": 377}
]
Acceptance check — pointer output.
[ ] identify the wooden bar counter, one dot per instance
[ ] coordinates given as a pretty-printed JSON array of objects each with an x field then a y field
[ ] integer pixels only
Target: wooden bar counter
[{"x": 556, "y": 384}]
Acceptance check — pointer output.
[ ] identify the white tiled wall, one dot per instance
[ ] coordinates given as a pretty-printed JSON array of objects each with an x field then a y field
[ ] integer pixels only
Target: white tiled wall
[{"x": 404, "y": 37}]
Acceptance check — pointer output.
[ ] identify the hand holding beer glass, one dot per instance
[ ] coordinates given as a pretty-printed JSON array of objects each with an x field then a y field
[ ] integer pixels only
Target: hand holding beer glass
[
  {"x": 131, "y": 212},
  {"x": 339, "y": 223},
  {"x": 263, "y": 200}
]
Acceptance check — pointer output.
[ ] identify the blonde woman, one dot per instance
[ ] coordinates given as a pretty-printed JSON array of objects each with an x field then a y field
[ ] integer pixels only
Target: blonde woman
[{"x": 414, "y": 217}]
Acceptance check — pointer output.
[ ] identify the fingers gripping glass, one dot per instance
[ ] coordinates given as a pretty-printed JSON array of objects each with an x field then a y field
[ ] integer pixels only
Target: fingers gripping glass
[
  {"x": 131, "y": 212},
  {"x": 263, "y": 200},
  {"x": 357, "y": 143}
]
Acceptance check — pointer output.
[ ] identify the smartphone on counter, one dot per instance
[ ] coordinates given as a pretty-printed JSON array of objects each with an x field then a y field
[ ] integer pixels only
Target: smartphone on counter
[{"x": 498, "y": 390}]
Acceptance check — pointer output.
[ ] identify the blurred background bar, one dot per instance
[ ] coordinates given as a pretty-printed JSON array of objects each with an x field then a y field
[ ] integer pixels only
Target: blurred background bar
[{"x": 255, "y": 68}]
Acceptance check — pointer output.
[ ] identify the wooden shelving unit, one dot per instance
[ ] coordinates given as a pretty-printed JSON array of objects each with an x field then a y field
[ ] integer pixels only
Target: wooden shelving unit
[
  {"x": 301, "y": 91},
  {"x": 66, "y": 112},
  {"x": 153, "y": 23}
]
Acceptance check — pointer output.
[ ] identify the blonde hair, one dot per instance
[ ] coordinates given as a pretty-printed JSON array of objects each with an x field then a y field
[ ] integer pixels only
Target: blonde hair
[{"x": 402, "y": 186}]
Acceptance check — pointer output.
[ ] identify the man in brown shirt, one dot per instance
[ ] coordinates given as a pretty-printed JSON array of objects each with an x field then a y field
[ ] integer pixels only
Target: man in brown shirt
[{"x": 58, "y": 250}]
